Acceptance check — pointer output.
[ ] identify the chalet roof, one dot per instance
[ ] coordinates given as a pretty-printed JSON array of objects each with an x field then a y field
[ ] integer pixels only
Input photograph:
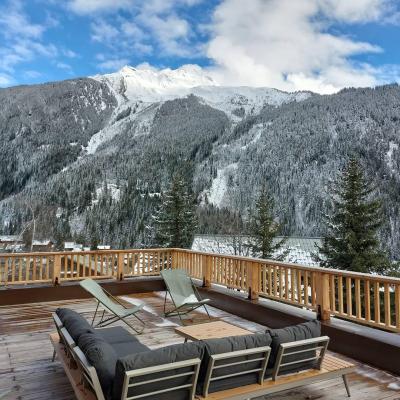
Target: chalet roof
[{"x": 10, "y": 238}]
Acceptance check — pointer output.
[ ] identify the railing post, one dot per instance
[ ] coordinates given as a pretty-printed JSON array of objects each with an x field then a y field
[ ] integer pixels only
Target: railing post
[
  {"x": 120, "y": 266},
  {"x": 57, "y": 269},
  {"x": 173, "y": 259},
  {"x": 253, "y": 280},
  {"x": 207, "y": 271},
  {"x": 322, "y": 296}
]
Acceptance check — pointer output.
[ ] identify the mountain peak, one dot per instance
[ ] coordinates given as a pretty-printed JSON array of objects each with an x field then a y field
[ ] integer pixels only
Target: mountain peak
[{"x": 152, "y": 84}]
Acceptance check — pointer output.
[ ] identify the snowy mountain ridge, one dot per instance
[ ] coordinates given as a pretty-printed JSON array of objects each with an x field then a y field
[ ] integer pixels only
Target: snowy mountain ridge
[{"x": 151, "y": 85}]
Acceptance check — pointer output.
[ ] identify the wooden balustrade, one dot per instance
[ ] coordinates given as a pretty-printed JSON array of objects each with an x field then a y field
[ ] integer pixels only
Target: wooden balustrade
[{"x": 363, "y": 298}]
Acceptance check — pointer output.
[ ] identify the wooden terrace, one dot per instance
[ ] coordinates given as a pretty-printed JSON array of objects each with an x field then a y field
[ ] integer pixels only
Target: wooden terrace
[
  {"x": 359, "y": 312},
  {"x": 27, "y": 372}
]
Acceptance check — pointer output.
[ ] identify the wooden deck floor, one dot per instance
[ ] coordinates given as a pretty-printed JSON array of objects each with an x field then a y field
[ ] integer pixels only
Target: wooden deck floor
[{"x": 27, "y": 373}]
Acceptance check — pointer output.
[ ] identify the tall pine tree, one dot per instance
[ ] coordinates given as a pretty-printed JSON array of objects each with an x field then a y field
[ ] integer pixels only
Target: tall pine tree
[
  {"x": 351, "y": 242},
  {"x": 263, "y": 230},
  {"x": 174, "y": 222}
]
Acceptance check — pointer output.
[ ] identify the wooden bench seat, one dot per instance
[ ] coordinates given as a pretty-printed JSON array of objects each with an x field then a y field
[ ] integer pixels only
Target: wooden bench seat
[
  {"x": 74, "y": 375},
  {"x": 332, "y": 367}
]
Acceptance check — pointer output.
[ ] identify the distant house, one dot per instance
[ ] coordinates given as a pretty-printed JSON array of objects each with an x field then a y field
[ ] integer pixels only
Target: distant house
[
  {"x": 11, "y": 243},
  {"x": 42, "y": 245},
  {"x": 103, "y": 247},
  {"x": 72, "y": 246}
]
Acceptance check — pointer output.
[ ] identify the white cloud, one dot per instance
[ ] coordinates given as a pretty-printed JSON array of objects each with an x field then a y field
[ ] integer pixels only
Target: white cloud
[
  {"x": 356, "y": 10},
  {"x": 14, "y": 22},
  {"x": 287, "y": 44},
  {"x": 113, "y": 64},
  {"x": 6, "y": 80},
  {"x": 103, "y": 32},
  {"x": 21, "y": 40},
  {"x": 32, "y": 74},
  {"x": 90, "y": 6},
  {"x": 64, "y": 66},
  {"x": 145, "y": 26}
]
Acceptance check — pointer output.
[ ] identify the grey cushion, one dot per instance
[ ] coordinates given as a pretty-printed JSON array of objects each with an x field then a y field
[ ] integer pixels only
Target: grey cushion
[
  {"x": 102, "y": 356},
  {"x": 74, "y": 323},
  {"x": 165, "y": 355},
  {"x": 116, "y": 334},
  {"x": 121, "y": 340},
  {"x": 306, "y": 330},
  {"x": 64, "y": 312},
  {"x": 227, "y": 345}
]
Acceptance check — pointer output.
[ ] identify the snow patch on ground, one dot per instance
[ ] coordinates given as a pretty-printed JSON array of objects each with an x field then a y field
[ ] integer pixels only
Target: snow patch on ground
[
  {"x": 140, "y": 121},
  {"x": 113, "y": 190},
  {"x": 389, "y": 155},
  {"x": 219, "y": 185}
]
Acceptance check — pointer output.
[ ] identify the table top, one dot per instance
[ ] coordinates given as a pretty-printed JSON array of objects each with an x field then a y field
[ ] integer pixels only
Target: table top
[{"x": 211, "y": 330}]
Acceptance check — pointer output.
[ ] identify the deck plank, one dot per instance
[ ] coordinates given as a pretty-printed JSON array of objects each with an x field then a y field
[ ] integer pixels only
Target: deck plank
[{"x": 27, "y": 373}]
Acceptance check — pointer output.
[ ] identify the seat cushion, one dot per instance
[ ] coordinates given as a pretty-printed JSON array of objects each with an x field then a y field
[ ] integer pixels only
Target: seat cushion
[
  {"x": 165, "y": 355},
  {"x": 306, "y": 330},
  {"x": 228, "y": 345},
  {"x": 121, "y": 340},
  {"x": 102, "y": 356},
  {"x": 74, "y": 323}
]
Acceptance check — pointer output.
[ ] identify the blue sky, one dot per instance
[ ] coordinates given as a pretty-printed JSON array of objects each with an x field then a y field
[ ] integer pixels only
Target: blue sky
[{"x": 319, "y": 45}]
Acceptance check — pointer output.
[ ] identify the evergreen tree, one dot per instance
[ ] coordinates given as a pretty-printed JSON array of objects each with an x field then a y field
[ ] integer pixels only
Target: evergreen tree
[
  {"x": 351, "y": 242},
  {"x": 263, "y": 230},
  {"x": 62, "y": 232},
  {"x": 174, "y": 222}
]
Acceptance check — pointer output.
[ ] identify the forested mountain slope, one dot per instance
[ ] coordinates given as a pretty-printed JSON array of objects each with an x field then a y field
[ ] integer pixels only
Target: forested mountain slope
[{"x": 95, "y": 153}]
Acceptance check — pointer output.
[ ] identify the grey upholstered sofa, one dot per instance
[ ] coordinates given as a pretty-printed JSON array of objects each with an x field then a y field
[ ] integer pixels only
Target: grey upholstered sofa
[{"x": 116, "y": 366}]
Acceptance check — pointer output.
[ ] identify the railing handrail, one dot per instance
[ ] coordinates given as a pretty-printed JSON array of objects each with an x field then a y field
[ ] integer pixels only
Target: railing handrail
[
  {"x": 79, "y": 252},
  {"x": 365, "y": 298},
  {"x": 331, "y": 271}
]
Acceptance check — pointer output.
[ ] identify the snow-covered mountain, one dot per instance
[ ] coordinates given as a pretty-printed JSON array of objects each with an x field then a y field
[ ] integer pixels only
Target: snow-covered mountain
[
  {"x": 142, "y": 89},
  {"x": 70, "y": 145}
]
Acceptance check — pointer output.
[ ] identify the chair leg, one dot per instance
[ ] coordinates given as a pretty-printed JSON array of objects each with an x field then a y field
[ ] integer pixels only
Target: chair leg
[
  {"x": 54, "y": 356},
  {"x": 346, "y": 385},
  {"x": 94, "y": 316},
  {"x": 165, "y": 302},
  {"x": 131, "y": 326},
  {"x": 207, "y": 312}
]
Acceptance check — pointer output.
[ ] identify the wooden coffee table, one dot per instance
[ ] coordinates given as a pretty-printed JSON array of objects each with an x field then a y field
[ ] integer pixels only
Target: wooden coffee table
[{"x": 210, "y": 330}]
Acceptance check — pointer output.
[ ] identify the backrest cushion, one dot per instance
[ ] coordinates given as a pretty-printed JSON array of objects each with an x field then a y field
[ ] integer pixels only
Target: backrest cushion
[
  {"x": 306, "y": 330},
  {"x": 75, "y": 323},
  {"x": 102, "y": 356},
  {"x": 228, "y": 345},
  {"x": 157, "y": 357}
]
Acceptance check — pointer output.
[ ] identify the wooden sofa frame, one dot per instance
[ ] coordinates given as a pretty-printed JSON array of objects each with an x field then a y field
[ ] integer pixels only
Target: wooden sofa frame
[
  {"x": 86, "y": 385},
  {"x": 327, "y": 367}
]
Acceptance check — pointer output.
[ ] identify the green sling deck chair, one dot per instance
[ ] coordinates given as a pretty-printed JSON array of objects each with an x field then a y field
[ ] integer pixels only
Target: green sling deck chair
[
  {"x": 183, "y": 293},
  {"x": 112, "y": 305}
]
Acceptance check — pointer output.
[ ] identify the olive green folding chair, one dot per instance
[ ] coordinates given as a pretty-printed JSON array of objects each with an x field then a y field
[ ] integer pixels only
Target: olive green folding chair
[
  {"x": 112, "y": 305},
  {"x": 183, "y": 293}
]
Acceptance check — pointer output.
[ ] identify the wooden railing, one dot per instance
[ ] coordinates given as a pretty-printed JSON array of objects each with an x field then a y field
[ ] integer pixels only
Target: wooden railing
[{"x": 367, "y": 299}]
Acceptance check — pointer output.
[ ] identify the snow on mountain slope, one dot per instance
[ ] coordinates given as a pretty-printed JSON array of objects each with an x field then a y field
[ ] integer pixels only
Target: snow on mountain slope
[
  {"x": 149, "y": 85},
  {"x": 242, "y": 100},
  {"x": 137, "y": 118}
]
